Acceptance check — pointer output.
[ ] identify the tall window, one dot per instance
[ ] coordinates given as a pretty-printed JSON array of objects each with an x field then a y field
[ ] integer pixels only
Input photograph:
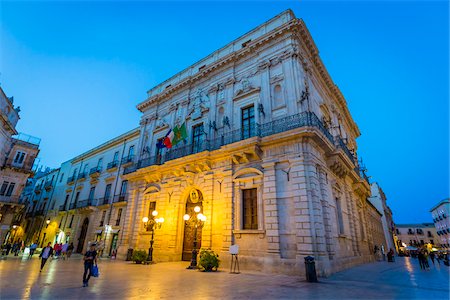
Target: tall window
[
  {"x": 361, "y": 226},
  {"x": 119, "y": 215},
  {"x": 131, "y": 151},
  {"x": 248, "y": 122},
  {"x": 108, "y": 191},
  {"x": 65, "y": 203},
  {"x": 100, "y": 162},
  {"x": 249, "y": 209},
  {"x": 71, "y": 221},
  {"x": 197, "y": 138},
  {"x": 18, "y": 159},
  {"x": 91, "y": 193},
  {"x": 77, "y": 196},
  {"x": 116, "y": 156},
  {"x": 123, "y": 188},
  {"x": 102, "y": 221},
  {"x": 61, "y": 178},
  {"x": 3, "y": 188},
  {"x": 85, "y": 168},
  {"x": 339, "y": 216},
  {"x": 10, "y": 189}
]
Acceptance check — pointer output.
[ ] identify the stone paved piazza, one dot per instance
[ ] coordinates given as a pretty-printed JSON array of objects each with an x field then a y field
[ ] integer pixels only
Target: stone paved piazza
[{"x": 20, "y": 279}]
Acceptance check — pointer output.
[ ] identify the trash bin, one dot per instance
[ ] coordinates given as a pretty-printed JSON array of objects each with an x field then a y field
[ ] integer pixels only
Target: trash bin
[
  {"x": 129, "y": 254},
  {"x": 310, "y": 268}
]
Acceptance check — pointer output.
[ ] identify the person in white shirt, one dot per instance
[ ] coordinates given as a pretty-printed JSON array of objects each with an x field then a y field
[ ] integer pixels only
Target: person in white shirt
[
  {"x": 64, "y": 250},
  {"x": 45, "y": 254}
]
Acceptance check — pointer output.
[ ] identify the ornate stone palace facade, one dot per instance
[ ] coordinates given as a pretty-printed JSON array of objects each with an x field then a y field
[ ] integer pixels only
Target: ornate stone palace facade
[
  {"x": 269, "y": 158},
  {"x": 263, "y": 143}
]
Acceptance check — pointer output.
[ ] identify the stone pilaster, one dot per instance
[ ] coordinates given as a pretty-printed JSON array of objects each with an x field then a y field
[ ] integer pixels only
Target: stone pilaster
[
  {"x": 270, "y": 208},
  {"x": 326, "y": 213}
]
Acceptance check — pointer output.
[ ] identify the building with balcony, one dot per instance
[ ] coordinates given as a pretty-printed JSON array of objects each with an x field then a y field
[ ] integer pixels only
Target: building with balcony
[
  {"x": 378, "y": 199},
  {"x": 90, "y": 195},
  {"x": 440, "y": 213},
  {"x": 260, "y": 138},
  {"x": 417, "y": 235},
  {"x": 17, "y": 155},
  {"x": 375, "y": 229}
]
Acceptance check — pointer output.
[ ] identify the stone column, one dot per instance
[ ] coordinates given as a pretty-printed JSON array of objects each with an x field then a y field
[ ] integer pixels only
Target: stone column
[{"x": 326, "y": 212}]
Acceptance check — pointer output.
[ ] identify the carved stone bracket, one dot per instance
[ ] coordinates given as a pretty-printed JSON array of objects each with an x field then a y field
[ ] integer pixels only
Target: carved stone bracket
[{"x": 337, "y": 166}]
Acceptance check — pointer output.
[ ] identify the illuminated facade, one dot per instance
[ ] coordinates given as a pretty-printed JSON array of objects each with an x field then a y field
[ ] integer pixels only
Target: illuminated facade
[
  {"x": 269, "y": 157},
  {"x": 17, "y": 155}
]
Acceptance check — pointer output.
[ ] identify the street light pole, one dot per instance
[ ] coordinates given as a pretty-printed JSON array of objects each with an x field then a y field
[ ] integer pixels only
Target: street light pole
[
  {"x": 152, "y": 224},
  {"x": 197, "y": 221}
]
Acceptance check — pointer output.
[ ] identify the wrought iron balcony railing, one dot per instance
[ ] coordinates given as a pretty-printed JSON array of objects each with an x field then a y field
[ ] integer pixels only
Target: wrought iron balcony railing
[
  {"x": 103, "y": 201},
  {"x": 81, "y": 175},
  {"x": 85, "y": 203},
  {"x": 9, "y": 199},
  {"x": 127, "y": 159},
  {"x": 304, "y": 119},
  {"x": 38, "y": 189},
  {"x": 62, "y": 207},
  {"x": 73, "y": 205},
  {"x": 119, "y": 198},
  {"x": 95, "y": 171},
  {"x": 71, "y": 179},
  {"x": 112, "y": 165},
  {"x": 48, "y": 185}
]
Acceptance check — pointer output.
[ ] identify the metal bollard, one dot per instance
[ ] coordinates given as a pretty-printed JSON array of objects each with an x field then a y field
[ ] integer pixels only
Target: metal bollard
[{"x": 310, "y": 268}]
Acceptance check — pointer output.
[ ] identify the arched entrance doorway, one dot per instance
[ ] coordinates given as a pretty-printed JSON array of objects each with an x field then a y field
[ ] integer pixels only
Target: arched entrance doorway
[
  {"x": 195, "y": 198},
  {"x": 82, "y": 237}
]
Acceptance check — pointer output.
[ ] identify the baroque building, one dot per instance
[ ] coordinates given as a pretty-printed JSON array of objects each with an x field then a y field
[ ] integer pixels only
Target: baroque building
[
  {"x": 265, "y": 146},
  {"x": 378, "y": 199},
  {"x": 17, "y": 155},
  {"x": 417, "y": 235}
]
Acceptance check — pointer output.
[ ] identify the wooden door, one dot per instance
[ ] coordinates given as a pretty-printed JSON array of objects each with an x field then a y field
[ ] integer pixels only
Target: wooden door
[
  {"x": 188, "y": 241},
  {"x": 82, "y": 237}
]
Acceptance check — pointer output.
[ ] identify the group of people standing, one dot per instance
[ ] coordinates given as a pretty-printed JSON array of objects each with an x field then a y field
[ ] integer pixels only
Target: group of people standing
[{"x": 422, "y": 256}]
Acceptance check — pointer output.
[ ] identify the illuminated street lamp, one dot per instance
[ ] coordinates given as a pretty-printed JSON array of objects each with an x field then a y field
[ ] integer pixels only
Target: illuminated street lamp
[
  {"x": 152, "y": 224},
  {"x": 198, "y": 221},
  {"x": 48, "y": 221}
]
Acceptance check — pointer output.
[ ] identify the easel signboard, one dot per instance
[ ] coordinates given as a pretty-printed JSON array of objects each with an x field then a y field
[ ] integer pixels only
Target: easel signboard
[{"x": 234, "y": 250}]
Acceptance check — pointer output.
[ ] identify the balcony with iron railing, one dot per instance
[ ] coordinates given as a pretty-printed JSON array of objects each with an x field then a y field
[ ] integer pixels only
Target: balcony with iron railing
[
  {"x": 304, "y": 119},
  {"x": 81, "y": 176},
  {"x": 48, "y": 185},
  {"x": 112, "y": 165},
  {"x": 120, "y": 198},
  {"x": 39, "y": 212},
  {"x": 38, "y": 189},
  {"x": 85, "y": 203},
  {"x": 71, "y": 179},
  {"x": 128, "y": 159},
  {"x": 95, "y": 172},
  {"x": 72, "y": 205},
  {"x": 62, "y": 207},
  {"x": 9, "y": 199},
  {"x": 103, "y": 201}
]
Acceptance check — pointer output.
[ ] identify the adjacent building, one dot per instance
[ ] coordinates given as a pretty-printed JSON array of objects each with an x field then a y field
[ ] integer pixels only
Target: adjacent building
[
  {"x": 416, "y": 235},
  {"x": 17, "y": 155},
  {"x": 378, "y": 199},
  {"x": 440, "y": 213}
]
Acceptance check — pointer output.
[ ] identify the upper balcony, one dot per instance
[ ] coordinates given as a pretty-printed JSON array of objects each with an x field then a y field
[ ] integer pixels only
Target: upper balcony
[
  {"x": 38, "y": 189},
  {"x": 48, "y": 185},
  {"x": 120, "y": 198},
  {"x": 85, "y": 203},
  {"x": 127, "y": 160},
  {"x": 71, "y": 179},
  {"x": 9, "y": 199},
  {"x": 81, "y": 176},
  {"x": 112, "y": 165},
  {"x": 302, "y": 120},
  {"x": 95, "y": 172}
]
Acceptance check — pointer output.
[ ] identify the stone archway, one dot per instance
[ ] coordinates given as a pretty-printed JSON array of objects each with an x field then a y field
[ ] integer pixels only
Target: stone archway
[
  {"x": 82, "y": 237},
  {"x": 195, "y": 198}
]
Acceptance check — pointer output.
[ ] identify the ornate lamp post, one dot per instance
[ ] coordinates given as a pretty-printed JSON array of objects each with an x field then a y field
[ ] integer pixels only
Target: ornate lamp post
[
  {"x": 198, "y": 221},
  {"x": 152, "y": 224}
]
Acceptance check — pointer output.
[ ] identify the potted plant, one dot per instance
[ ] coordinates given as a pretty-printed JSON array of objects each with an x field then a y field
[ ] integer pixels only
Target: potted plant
[
  {"x": 209, "y": 261},
  {"x": 139, "y": 256}
]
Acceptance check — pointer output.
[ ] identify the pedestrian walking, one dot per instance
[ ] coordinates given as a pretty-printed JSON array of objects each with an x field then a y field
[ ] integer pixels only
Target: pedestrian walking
[
  {"x": 69, "y": 250},
  {"x": 90, "y": 258},
  {"x": 45, "y": 254},
  {"x": 64, "y": 250},
  {"x": 421, "y": 260},
  {"x": 32, "y": 249}
]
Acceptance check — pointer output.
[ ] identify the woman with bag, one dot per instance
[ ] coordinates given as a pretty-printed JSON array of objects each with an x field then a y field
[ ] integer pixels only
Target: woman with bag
[{"x": 90, "y": 260}]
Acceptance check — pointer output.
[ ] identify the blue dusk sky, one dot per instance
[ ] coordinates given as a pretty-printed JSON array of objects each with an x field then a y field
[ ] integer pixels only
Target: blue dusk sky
[{"x": 78, "y": 69}]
